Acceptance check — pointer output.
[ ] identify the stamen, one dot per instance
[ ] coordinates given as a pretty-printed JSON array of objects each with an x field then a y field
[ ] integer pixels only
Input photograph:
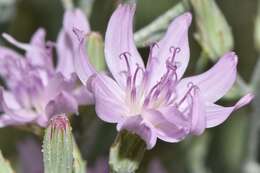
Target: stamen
[
  {"x": 133, "y": 94},
  {"x": 188, "y": 93},
  {"x": 171, "y": 66},
  {"x": 148, "y": 97},
  {"x": 126, "y": 55},
  {"x": 174, "y": 51},
  {"x": 138, "y": 68},
  {"x": 133, "y": 90}
]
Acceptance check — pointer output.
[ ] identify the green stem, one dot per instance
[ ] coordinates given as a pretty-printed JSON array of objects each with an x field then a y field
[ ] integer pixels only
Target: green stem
[{"x": 160, "y": 24}]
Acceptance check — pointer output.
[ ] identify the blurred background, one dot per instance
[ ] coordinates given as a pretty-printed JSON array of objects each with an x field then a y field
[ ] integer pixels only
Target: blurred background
[{"x": 229, "y": 148}]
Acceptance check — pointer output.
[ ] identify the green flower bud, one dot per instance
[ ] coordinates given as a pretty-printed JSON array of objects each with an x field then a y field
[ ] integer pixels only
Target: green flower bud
[
  {"x": 5, "y": 165},
  {"x": 58, "y": 146},
  {"x": 95, "y": 48},
  {"x": 126, "y": 153},
  {"x": 213, "y": 32}
]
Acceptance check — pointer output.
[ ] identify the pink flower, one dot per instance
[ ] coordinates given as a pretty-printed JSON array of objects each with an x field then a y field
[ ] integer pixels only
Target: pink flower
[
  {"x": 155, "y": 101},
  {"x": 35, "y": 89}
]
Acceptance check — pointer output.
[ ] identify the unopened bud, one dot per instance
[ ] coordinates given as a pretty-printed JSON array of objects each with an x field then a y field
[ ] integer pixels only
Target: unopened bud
[
  {"x": 213, "y": 32},
  {"x": 58, "y": 146},
  {"x": 95, "y": 48}
]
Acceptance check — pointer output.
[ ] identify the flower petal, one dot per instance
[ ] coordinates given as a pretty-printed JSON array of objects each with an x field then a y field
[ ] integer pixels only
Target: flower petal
[
  {"x": 58, "y": 83},
  {"x": 5, "y": 120},
  {"x": 119, "y": 39},
  {"x": 135, "y": 125},
  {"x": 110, "y": 105},
  {"x": 83, "y": 96},
  {"x": 198, "y": 120},
  {"x": 67, "y": 42},
  {"x": 217, "y": 114},
  {"x": 37, "y": 52},
  {"x": 65, "y": 54},
  {"x": 164, "y": 129},
  {"x": 75, "y": 19},
  {"x": 215, "y": 82},
  {"x": 176, "y": 37},
  {"x": 20, "y": 115},
  {"x": 81, "y": 61},
  {"x": 62, "y": 103}
]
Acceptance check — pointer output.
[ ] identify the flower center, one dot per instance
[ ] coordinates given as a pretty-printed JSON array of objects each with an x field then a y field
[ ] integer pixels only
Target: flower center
[{"x": 162, "y": 93}]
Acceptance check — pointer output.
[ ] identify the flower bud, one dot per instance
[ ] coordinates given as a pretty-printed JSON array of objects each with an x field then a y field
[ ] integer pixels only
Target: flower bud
[
  {"x": 58, "y": 146},
  {"x": 5, "y": 165},
  {"x": 213, "y": 32},
  {"x": 126, "y": 153},
  {"x": 95, "y": 49}
]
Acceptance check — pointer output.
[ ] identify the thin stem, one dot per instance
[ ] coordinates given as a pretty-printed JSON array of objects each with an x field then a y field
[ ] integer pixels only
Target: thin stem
[{"x": 158, "y": 24}]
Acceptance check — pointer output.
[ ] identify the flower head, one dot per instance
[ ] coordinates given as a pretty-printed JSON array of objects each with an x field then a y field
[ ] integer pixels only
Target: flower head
[
  {"x": 155, "y": 101},
  {"x": 35, "y": 89}
]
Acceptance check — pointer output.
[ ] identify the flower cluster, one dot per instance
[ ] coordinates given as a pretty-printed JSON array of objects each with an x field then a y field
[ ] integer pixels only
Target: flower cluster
[
  {"x": 153, "y": 101},
  {"x": 35, "y": 89}
]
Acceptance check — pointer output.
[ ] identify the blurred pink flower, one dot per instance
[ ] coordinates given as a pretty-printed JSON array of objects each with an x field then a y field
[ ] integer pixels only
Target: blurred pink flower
[
  {"x": 154, "y": 101},
  {"x": 156, "y": 167},
  {"x": 101, "y": 166},
  {"x": 36, "y": 90}
]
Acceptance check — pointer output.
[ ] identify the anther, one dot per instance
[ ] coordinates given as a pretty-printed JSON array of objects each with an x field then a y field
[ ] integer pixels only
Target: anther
[
  {"x": 191, "y": 87},
  {"x": 174, "y": 51}
]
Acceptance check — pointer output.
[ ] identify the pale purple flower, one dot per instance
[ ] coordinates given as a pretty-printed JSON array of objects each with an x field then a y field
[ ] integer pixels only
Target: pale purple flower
[
  {"x": 154, "y": 101},
  {"x": 35, "y": 89}
]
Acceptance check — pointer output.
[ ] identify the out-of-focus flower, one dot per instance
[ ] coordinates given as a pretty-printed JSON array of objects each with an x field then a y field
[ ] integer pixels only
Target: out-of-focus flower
[
  {"x": 156, "y": 167},
  {"x": 36, "y": 89},
  {"x": 154, "y": 101},
  {"x": 101, "y": 166},
  {"x": 30, "y": 156}
]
